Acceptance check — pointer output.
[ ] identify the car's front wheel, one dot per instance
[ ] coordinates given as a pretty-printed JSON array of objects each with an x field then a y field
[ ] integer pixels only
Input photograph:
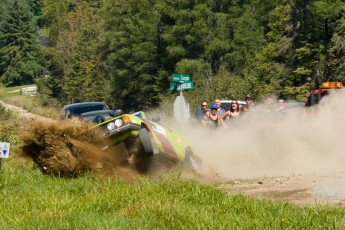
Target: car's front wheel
[
  {"x": 146, "y": 142},
  {"x": 192, "y": 162}
]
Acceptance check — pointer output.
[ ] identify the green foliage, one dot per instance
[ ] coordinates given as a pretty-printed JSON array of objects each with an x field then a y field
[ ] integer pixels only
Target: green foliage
[
  {"x": 74, "y": 64},
  {"x": 35, "y": 201},
  {"x": 337, "y": 51},
  {"x": 124, "y": 52},
  {"x": 8, "y": 126},
  {"x": 4, "y": 113},
  {"x": 21, "y": 59},
  {"x": 129, "y": 53},
  {"x": 295, "y": 93}
]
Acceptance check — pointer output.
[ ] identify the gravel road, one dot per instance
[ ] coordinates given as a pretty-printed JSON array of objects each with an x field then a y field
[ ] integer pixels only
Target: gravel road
[{"x": 298, "y": 189}]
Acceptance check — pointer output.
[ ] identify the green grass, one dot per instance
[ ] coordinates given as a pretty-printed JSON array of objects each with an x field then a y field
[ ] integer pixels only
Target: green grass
[{"x": 31, "y": 200}]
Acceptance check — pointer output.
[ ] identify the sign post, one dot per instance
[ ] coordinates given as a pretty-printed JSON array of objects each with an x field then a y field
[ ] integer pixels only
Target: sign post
[
  {"x": 4, "y": 151},
  {"x": 181, "y": 82}
]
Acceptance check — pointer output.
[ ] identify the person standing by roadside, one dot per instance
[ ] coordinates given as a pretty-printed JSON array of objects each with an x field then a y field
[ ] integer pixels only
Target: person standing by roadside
[
  {"x": 281, "y": 110},
  {"x": 202, "y": 115},
  {"x": 281, "y": 105},
  {"x": 268, "y": 105},
  {"x": 249, "y": 104},
  {"x": 214, "y": 119},
  {"x": 233, "y": 112},
  {"x": 220, "y": 110}
]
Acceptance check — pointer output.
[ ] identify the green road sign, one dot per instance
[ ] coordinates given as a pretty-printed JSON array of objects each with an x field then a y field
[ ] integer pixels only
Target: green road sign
[
  {"x": 173, "y": 86},
  {"x": 186, "y": 85},
  {"x": 182, "y": 83},
  {"x": 177, "y": 77}
]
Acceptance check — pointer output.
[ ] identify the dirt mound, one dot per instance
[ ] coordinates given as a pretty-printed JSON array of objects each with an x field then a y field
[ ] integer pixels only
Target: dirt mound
[{"x": 70, "y": 149}]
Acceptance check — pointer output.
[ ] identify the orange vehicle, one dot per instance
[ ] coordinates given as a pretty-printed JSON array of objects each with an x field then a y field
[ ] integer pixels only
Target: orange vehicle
[{"x": 326, "y": 88}]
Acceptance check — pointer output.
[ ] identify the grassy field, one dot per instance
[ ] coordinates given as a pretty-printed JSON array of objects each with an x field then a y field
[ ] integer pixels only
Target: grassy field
[
  {"x": 32, "y": 200},
  {"x": 30, "y": 103}
]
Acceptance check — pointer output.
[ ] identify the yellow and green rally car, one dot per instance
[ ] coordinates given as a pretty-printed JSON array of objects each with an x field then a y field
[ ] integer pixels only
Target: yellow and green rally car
[{"x": 153, "y": 138}]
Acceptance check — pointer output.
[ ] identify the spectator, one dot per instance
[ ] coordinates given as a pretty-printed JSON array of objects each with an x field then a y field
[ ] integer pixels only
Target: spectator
[
  {"x": 268, "y": 104},
  {"x": 281, "y": 110},
  {"x": 214, "y": 119},
  {"x": 220, "y": 110},
  {"x": 249, "y": 104},
  {"x": 202, "y": 115},
  {"x": 281, "y": 105},
  {"x": 233, "y": 112}
]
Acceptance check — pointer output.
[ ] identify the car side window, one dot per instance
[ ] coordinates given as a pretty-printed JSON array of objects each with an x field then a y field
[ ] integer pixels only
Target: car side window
[{"x": 225, "y": 105}]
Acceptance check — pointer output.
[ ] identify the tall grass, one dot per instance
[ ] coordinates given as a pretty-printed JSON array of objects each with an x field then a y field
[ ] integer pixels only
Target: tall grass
[
  {"x": 30, "y": 200},
  {"x": 32, "y": 104}
]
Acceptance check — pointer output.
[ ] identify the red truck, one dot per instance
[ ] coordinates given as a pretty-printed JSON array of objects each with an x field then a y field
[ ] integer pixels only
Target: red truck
[{"x": 326, "y": 88}]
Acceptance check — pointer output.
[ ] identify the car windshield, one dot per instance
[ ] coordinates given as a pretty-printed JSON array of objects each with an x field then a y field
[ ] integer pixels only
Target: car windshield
[{"x": 227, "y": 104}]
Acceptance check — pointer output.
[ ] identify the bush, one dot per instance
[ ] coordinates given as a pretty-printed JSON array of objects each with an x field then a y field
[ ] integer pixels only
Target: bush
[{"x": 8, "y": 127}]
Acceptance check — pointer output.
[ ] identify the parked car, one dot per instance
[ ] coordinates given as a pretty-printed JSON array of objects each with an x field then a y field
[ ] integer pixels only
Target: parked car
[
  {"x": 153, "y": 138},
  {"x": 98, "y": 116},
  {"x": 226, "y": 104},
  {"x": 76, "y": 109}
]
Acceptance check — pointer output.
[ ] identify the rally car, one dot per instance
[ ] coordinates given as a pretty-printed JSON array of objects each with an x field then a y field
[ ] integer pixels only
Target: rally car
[{"x": 153, "y": 138}]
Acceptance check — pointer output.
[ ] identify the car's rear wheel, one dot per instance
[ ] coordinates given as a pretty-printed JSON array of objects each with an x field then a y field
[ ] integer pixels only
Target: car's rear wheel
[
  {"x": 146, "y": 142},
  {"x": 192, "y": 162}
]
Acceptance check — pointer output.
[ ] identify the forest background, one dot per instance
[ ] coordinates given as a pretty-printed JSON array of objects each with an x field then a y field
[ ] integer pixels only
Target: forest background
[{"x": 124, "y": 52}]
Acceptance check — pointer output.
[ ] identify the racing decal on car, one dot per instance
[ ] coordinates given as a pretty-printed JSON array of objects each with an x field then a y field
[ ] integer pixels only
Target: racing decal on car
[
  {"x": 159, "y": 129},
  {"x": 166, "y": 144}
]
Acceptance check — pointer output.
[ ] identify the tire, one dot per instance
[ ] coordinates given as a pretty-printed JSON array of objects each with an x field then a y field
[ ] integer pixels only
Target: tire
[
  {"x": 146, "y": 142},
  {"x": 192, "y": 162}
]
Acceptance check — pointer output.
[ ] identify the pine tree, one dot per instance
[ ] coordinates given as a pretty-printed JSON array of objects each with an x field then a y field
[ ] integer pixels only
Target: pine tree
[
  {"x": 129, "y": 52},
  {"x": 21, "y": 58}
]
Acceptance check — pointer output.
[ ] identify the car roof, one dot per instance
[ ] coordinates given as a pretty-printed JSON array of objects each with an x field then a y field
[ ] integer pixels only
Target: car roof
[
  {"x": 229, "y": 101},
  {"x": 81, "y": 104}
]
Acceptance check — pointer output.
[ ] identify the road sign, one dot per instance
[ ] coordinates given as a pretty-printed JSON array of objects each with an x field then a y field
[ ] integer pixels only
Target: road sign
[
  {"x": 4, "y": 149},
  {"x": 178, "y": 77},
  {"x": 173, "y": 86},
  {"x": 186, "y": 85}
]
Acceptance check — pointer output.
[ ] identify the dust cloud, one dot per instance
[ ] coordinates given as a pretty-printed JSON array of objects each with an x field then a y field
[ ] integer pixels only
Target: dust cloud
[
  {"x": 263, "y": 143},
  {"x": 70, "y": 149},
  {"x": 271, "y": 143}
]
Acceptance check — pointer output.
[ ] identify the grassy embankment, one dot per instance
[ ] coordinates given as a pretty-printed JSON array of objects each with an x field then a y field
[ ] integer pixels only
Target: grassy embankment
[
  {"x": 31, "y": 200},
  {"x": 32, "y": 104}
]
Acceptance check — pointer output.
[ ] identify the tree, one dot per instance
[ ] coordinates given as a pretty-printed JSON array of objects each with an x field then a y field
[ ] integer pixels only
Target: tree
[
  {"x": 21, "y": 58},
  {"x": 129, "y": 52},
  {"x": 74, "y": 31}
]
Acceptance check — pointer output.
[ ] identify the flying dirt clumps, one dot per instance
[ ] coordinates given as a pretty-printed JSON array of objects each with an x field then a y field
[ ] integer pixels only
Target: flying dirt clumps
[{"x": 70, "y": 149}]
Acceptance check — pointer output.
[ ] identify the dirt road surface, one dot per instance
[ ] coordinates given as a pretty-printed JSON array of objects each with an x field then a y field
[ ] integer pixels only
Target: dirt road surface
[{"x": 299, "y": 189}]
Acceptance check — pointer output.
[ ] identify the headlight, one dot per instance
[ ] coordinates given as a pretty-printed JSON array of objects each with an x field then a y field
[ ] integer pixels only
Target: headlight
[
  {"x": 111, "y": 126},
  {"x": 118, "y": 123}
]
